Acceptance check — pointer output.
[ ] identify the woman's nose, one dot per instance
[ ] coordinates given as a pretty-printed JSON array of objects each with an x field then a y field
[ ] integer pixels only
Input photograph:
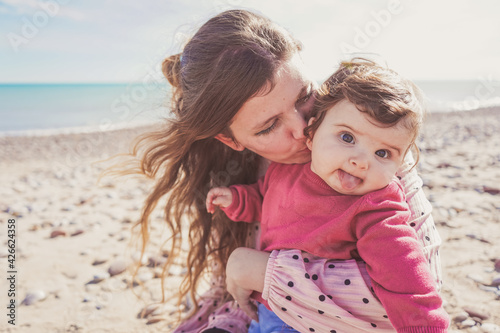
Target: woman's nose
[{"x": 298, "y": 124}]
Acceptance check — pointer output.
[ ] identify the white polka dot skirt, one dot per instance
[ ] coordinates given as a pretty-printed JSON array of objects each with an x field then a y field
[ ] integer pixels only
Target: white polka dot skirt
[{"x": 320, "y": 295}]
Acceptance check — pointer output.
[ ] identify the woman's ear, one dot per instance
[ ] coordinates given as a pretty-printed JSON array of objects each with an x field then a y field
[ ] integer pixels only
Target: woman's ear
[
  {"x": 309, "y": 137},
  {"x": 230, "y": 142}
]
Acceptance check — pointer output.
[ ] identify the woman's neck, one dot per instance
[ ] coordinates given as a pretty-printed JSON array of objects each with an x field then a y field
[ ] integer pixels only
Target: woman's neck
[{"x": 263, "y": 165}]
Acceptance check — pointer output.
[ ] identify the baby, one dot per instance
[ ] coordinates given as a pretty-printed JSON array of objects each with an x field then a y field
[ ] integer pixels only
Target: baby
[{"x": 345, "y": 204}]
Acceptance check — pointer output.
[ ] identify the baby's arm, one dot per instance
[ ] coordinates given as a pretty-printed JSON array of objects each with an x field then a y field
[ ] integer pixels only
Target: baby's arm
[
  {"x": 220, "y": 197},
  {"x": 396, "y": 263},
  {"x": 245, "y": 272}
]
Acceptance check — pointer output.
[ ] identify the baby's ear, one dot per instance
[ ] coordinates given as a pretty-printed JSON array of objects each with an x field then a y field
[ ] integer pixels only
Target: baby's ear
[
  {"x": 309, "y": 137},
  {"x": 311, "y": 121}
]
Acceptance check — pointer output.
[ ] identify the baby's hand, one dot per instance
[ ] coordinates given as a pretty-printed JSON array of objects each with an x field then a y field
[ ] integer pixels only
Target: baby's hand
[{"x": 220, "y": 197}]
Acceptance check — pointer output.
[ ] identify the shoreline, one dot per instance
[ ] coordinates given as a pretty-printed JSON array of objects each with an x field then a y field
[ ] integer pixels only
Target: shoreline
[
  {"x": 43, "y": 132},
  {"x": 77, "y": 129},
  {"x": 72, "y": 231}
]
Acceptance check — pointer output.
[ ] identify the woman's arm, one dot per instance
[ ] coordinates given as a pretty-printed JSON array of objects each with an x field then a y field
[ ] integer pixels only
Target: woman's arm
[{"x": 421, "y": 219}]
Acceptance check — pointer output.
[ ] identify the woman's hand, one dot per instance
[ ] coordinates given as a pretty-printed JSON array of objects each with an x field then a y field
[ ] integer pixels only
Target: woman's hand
[
  {"x": 220, "y": 197},
  {"x": 245, "y": 273}
]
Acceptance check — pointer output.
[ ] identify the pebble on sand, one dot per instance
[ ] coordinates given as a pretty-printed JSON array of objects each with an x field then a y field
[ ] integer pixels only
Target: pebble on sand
[
  {"x": 117, "y": 267},
  {"x": 33, "y": 297},
  {"x": 57, "y": 233},
  {"x": 474, "y": 312}
]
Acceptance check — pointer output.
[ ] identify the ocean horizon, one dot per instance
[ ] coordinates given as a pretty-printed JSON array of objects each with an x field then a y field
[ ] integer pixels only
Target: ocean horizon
[
  {"x": 45, "y": 108},
  {"x": 55, "y": 107}
]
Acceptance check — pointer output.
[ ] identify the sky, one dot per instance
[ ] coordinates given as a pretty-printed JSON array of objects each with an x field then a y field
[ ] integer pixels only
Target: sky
[{"x": 101, "y": 41}]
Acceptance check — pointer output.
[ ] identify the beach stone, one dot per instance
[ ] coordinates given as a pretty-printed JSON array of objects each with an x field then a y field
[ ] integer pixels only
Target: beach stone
[
  {"x": 495, "y": 282},
  {"x": 100, "y": 277},
  {"x": 490, "y": 328},
  {"x": 474, "y": 312},
  {"x": 158, "y": 271},
  {"x": 155, "y": 261},
  {"x": 34, "y": 227},
  {"x": 99, "y": 261},
  {"x": 117, "y": 267},
  {"x": 147, "y": 310},
  {"x": 477, "y": 278},
  {"x": 136, "y": 257},
  {"x": 460, "y": 317},
  {"x": 70, "y": 274},
  {"x": 68, "y": 208},
  {"x": 176, "y": 270},
  {"x": 33, "y": 297},
  {"x": 491, "y": 190},
  {"x": 145, "y": 276},
  {"x": 57, "y": 233},
  {"x": 88, "y": 298},
  {"x": 127, "y": 220},
  {"x": 497, "y": 265},
  {"x": 467, "y": 323},
  {"x": 47, "y": 224},
  {"x": 122, "y": 236},
  {"x": 85, "y": 252},
  {"x": 443, "y": 165},
  {"x": 77, "y": 232},
  {"x": 489, "y": 289}
]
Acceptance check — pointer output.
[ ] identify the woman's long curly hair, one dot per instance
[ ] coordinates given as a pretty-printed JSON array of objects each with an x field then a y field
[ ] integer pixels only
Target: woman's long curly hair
[{"x": 231, "y": 58}]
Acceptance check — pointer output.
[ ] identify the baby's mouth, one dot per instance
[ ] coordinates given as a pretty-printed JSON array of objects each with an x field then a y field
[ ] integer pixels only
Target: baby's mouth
[{"x": 348, "y": 181}]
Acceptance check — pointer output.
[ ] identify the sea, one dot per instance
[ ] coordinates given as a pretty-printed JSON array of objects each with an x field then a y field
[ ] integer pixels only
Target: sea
[{"x": 44, "y": 109}]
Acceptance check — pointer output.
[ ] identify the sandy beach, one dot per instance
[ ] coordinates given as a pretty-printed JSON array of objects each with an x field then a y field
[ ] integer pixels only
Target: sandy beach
[{"x": 74, "y": 251}]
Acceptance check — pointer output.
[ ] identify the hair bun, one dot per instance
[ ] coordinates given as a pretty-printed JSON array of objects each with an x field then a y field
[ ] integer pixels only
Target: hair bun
[{"x": 171, "y": 68}]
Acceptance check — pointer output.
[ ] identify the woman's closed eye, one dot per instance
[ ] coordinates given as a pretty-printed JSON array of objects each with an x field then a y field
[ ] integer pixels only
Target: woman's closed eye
[{"x": 269, "y": 129}]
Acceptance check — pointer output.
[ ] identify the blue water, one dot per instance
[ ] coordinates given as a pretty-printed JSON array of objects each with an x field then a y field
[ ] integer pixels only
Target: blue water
[
  {"x": 53, "y": 106},
  {"x": 27, "y": 107},
  {"x": 446, "y": 96}
]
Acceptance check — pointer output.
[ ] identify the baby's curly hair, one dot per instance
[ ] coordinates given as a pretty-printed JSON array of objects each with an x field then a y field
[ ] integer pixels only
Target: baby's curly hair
[{"x": 383, "y": 94}]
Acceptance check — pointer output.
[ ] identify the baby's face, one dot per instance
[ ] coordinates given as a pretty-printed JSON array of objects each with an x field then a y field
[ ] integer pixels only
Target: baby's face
[{"x": 354, "y": 156}]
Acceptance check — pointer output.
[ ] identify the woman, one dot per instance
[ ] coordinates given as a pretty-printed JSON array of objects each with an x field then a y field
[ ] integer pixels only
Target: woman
[{"x": 240, "y": 99}]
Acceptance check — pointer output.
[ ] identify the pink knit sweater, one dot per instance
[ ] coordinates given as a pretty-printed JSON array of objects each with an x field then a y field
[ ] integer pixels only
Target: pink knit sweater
[{"x": 298, "y": 210}]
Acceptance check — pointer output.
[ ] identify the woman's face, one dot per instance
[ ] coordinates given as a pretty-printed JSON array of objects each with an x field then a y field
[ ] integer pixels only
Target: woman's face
[{"x": 272, "y": 124}]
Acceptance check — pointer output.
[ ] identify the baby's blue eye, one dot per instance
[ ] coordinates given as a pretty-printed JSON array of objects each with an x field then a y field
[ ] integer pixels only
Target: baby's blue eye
[
  {"x": 382, "y": 153},
  {"x": 347, "y": 137}
]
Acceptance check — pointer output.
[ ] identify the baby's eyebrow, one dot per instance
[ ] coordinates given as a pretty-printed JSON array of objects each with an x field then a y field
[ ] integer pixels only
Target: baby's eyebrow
[{"x": 395, "y": 148}]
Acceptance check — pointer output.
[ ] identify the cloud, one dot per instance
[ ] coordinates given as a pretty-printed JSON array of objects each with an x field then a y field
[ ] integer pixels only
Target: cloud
[
  {"x": 19, "y": 8},
  {"x": 428, "y": 39}
]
